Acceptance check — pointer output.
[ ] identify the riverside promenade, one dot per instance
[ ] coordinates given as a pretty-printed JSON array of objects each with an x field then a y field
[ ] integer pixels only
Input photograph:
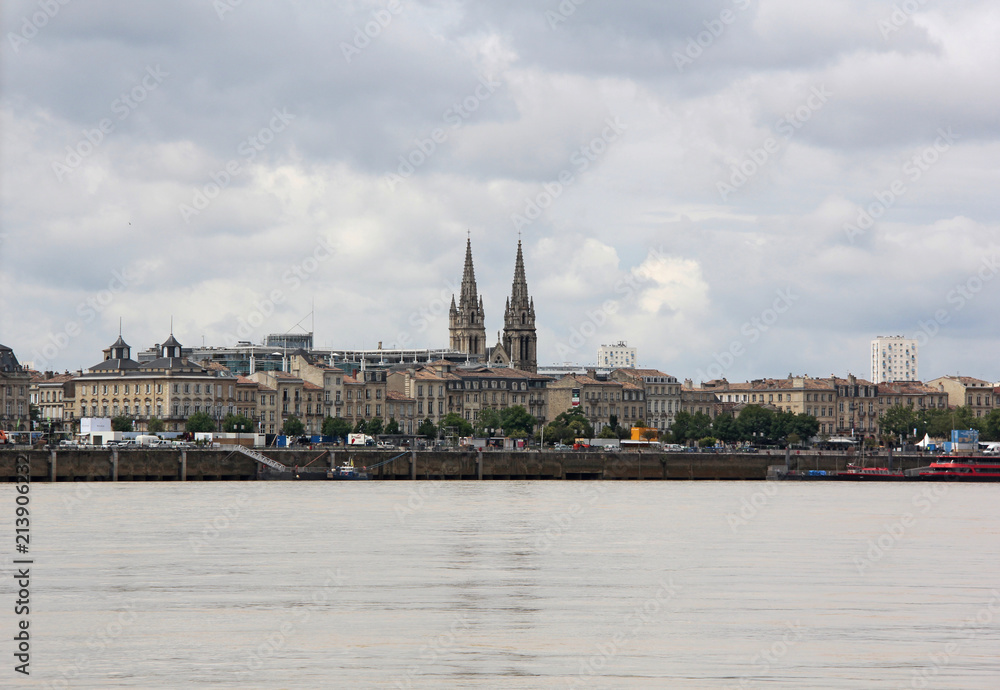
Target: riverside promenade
[{"x": 224, "y": 464}]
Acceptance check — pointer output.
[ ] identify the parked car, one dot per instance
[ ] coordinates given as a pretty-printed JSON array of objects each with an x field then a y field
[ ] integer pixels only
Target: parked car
[{"x": 561, "y": 446}]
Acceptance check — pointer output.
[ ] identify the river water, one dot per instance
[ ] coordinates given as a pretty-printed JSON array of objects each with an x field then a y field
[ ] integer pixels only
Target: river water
[{"x": 545, "y": 584}]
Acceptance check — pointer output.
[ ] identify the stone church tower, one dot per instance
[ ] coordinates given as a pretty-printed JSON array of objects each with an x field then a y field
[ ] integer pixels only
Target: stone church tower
[
  {"x": 467, "y": 322},
  {"x": 519, "y": 338}
]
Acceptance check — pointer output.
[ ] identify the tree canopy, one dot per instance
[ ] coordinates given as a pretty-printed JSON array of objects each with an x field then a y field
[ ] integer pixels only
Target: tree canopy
[
  {"x": 336, "y": 426},
  {"x": 121, "y": 423},
  {"x": 237, "y": 423},
  {"x": 427, "y": 429},
  {"x": 199, "y": 422},
  {"x": 293, "y": 426}
]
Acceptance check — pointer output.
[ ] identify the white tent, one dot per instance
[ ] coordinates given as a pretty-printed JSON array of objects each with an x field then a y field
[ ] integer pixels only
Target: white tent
[{"x": 925, "y": 442}]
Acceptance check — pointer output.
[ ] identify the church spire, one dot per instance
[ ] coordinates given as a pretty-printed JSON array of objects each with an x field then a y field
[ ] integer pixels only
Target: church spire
[
  {"x": 520, "y": 339},
  {"x": 466, "y": 321}
]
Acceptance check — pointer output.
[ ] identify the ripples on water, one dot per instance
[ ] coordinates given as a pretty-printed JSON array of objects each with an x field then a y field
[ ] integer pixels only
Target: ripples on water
[{"x": 514, "y": 585}]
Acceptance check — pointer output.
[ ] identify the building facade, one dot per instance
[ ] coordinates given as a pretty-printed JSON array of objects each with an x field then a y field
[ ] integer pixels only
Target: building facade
[
  {"x": 15, "y": 381},
  {"x": 894, "y": 358},
  {"x": 661, "y": 392},
  {"x": 617, "y": 356}
]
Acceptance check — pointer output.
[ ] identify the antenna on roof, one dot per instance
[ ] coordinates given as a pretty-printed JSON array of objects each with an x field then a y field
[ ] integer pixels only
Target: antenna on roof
[{"x": 119, "y": 327}]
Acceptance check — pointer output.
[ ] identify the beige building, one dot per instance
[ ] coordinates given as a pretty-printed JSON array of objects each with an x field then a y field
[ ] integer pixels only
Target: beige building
[
  {"x": 170, "y": 388},
  {"x": 15, "y": 410},
  {"x": 402, "y": 409},
  {"x": 364, "y": 396},
  {"x": 966, "y": 391},
  {"x": 796, "y": 394},
  {"x": 913, "y": 394},
  {"x": 329, "y": 379},
  {"x": 662, "y": 393},
  {"x": 53, "y": 395},
  {"x": 289, "y": 397},
  {"x": 598, "y": 400}
]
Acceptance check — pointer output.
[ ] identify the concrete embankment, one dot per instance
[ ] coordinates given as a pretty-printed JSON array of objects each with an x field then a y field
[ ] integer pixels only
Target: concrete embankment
[{"x": 216, "y": 464}]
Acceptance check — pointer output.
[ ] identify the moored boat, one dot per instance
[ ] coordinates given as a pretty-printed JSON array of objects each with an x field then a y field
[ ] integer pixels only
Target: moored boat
[{"x": 969, "y": 468}]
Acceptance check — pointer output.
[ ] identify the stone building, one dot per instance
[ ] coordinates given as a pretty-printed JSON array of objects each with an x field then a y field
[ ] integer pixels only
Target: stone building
[{"x": 15, "y": 411}]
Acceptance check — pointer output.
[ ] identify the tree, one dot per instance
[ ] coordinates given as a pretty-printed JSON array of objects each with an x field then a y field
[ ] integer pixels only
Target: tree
[
  {"x": 427, "y": 429},
  {"x": 754, "y": 423},
  {"x": 336, "y": 426},
  {"x": 359, "y": 428},
  {"x": 121, "y": 423},
  {"x": 237, "y": 423},
  {"x": 488, "y": 421},
  {"x": 707, "y": 442},
  {"x": 990, "y": 430},
  {"x": 568, "y": 426},
  {"x": 155, "y": 425},
  {"x": 374, "y": 427},
  {"x": 293, "y": 426},
  {"x": 516, "y": 421},
  {"x": 607, "y": 432},
  {"x": 456, "y": 424},
  {"x": 898, "y": 420},
  {"x": 199, "y": 422},
  {"x": 935, "y": 422},
  {"x": 392, "y": 427},
  {"x": 681, "y": 425},
  {"x": 724, "y": 427},
  {"x": 805, "y": 426},
  {"x": 700, "y": 426}
]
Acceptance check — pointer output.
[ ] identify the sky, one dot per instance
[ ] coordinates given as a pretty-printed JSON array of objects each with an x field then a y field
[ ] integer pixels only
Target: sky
[{"x": 745, "y": 188}]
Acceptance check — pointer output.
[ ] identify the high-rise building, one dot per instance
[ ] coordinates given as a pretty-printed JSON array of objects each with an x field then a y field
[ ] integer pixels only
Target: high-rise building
[
  {"x": 894, "y": 358},
  {"x": 618, "y": 356}
]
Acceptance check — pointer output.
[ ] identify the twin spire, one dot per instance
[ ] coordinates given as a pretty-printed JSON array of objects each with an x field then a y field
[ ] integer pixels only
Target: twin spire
[{"x": 466, "y": 321}]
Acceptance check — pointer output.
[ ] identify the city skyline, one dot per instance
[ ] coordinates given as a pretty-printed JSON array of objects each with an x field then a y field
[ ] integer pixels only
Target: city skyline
[{"x": 743, "y": 188}]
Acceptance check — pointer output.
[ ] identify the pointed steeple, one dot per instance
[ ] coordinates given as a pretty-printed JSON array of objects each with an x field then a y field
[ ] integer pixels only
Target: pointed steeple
[
  {"x": 468, "y": 297},
  {"x": 520, "y": 339},
  {"x": 466, "y": 320},
  {"x": 519, "y": 298}
]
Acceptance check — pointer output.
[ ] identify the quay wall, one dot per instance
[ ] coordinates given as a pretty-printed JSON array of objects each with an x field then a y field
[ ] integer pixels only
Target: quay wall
[{"x": 191, "y": 464}]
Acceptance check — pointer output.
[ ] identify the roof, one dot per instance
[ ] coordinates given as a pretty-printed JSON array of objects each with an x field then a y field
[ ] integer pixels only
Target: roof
[
  {"x": 645, "y": 372},
  {"x": 115, "y": 365},
  {"x": 584, "y": 380},
  {"x": 41, "y": 379},
  {"x": 397, "y": 396},
  {"x": 310, "y": 386}
]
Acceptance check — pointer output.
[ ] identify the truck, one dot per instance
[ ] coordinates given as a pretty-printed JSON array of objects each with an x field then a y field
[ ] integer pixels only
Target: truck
[
  {"x": 360, "y": 440},
  {"x": 148, "y": 440}
]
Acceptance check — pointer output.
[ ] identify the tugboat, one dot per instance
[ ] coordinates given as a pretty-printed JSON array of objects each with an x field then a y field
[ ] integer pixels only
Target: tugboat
[{"x": 347, "y": 472}]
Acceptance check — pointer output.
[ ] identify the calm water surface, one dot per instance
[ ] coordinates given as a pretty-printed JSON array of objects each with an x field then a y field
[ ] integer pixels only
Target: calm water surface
[{"x": 511, "y": 585}]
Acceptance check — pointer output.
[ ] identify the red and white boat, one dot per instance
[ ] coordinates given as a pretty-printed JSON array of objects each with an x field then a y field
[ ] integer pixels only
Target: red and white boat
[{"x": 970, "y": 468}]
